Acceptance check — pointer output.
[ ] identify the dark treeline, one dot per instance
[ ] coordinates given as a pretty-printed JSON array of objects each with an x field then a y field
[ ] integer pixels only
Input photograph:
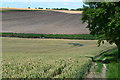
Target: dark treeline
[
  {"x": 78, "y": 9},
  {"x": 60, "y": 8}
]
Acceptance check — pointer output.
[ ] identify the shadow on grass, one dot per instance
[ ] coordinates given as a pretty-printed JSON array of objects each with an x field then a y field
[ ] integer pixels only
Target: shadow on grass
[
  {"x": 76, "y": 44},
  {"x": 110, "y": 57},
  {"x": 113, "y": 57}
]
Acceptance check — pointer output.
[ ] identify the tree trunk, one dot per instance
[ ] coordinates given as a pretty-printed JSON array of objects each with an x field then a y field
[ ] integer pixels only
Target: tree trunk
[{"x": 118, "y": 45}]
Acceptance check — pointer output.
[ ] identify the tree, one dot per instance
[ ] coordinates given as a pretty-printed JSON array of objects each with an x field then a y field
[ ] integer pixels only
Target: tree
[
  {"x": 79, "y": 9},
  {"x": 40, "y": 8},
  {"x": 55, "y": 8},
  {"x": 47, "y": 8},
  {"x": 103, "y": 19},
  {"x": 72, "y": 9},
  {"x": 28, "y": 7},
  {"x": 63, "y": 9}
]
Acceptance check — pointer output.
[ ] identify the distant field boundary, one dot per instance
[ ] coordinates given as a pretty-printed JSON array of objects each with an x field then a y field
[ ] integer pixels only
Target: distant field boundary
[
  {"x": 53, "y": 36},
  {"x": 2, "y": 9}
]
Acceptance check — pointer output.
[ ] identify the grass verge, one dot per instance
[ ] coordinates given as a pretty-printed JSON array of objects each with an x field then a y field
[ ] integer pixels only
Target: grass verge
[{"x": 113, "y": 64}]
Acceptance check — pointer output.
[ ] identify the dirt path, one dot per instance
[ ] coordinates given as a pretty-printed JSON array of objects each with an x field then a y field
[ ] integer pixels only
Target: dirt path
[
  {"x": 104, "y": 68},
  {"x": 104, "y": 71},
  {"x": 94, "y": 74}
]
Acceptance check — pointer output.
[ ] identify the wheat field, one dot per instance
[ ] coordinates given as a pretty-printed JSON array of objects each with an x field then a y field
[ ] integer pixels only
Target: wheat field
[{"x": 48, "y": 58}]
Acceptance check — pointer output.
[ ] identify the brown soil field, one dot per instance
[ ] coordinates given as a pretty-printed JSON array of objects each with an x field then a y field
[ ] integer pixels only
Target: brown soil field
[{"x": 43, "y": 22}]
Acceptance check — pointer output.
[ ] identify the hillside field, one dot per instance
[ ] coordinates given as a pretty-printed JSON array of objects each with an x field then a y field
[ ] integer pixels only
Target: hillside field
[
  {"x": 48, "y": 58},
  {"x": 43, "y": 22}
]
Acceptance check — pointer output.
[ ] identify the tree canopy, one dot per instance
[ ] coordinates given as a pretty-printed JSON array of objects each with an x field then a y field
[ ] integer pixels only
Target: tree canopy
[{"x": 103, "y": 20}]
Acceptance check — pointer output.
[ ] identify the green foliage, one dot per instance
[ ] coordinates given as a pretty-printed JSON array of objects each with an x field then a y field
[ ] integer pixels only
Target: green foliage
[
  {"x": 40, "y": 8},
  {"x": 63, "y": 9},
  {"x": 57, "y": 36},
  {"x": 28, "y": 7},
  {"x": 103, "y": 20},
  {"x": 73, "y": 9},
  {"x": 47, "y": 8},
  {"x": 78, "y": 9},
  {"x": 60, "y": 8}
]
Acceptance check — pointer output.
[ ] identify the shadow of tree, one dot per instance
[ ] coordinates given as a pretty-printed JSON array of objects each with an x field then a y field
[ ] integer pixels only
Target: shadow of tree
[
  {"x": 112, "y": 57},
  {"x": 75, "y": 44}
]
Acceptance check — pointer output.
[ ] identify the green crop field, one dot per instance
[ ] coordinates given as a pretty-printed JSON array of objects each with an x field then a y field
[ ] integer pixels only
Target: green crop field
[{"x": 48, "y": 58}]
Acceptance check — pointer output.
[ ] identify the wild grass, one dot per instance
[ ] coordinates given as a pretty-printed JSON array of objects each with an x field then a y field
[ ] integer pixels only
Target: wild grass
[{"x": 48, "y": 58}]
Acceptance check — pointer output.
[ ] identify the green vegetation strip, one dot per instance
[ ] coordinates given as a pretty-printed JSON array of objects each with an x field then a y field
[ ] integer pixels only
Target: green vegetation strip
[{"x": 56, "y": 36}]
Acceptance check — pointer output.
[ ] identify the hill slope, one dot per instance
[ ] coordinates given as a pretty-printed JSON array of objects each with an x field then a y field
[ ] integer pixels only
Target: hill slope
[{"x": 43, "y": 22}]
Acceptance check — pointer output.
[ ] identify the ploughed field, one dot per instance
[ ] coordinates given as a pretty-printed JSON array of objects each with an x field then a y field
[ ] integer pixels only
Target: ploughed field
[
  {"x": 42, "y": 22},
  {"x": 48, "y": 58}
]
